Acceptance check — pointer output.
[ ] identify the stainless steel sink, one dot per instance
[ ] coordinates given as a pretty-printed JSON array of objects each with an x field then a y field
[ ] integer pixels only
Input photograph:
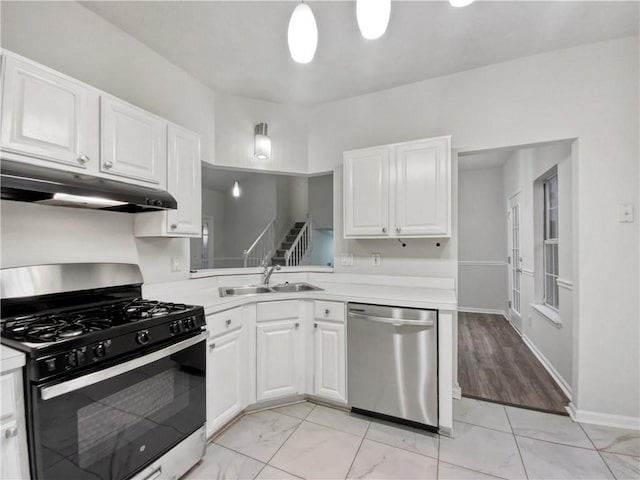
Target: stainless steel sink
[{"x": 258, "y": 289}]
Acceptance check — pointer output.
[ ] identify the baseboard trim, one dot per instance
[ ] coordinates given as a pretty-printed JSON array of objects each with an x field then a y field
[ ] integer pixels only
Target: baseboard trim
[
  {"x": 606, "y": 419},
  {"x": 489, "y": 311},
  {"x": 564, "y": 386},
  {"x": 457, "y": 391}
]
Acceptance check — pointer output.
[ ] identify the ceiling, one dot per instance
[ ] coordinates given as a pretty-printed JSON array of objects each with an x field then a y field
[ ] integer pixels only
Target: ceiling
[
  {"x": 240, "y": 47},
  {"x": 489, "y": 159}
]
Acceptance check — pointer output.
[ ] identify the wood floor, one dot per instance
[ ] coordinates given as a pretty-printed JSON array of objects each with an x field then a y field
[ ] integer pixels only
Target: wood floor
[{"x": 495, "y": 364}]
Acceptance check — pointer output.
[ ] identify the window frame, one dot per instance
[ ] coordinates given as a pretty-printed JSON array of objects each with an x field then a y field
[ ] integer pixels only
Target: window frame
[{"x": 548, "y": 240}]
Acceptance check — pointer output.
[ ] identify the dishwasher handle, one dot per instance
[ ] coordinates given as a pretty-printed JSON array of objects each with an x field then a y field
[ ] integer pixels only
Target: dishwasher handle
[{"x": 396, "y": 322}]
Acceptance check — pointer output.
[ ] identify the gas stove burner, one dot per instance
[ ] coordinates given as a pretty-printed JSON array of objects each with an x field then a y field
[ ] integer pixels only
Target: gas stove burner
[
  {"x": 142, "y": 309},
  {"x": 50, "y": 328}
]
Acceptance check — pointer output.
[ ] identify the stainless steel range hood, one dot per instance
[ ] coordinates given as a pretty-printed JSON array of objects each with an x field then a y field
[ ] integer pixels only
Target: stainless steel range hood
[{"x": 26, "y": 183}]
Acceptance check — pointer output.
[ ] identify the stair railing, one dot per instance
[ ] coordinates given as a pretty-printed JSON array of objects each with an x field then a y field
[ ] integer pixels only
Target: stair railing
[
  {"x": 300, "y": 246},
  {"x": 261, "y": 250}
]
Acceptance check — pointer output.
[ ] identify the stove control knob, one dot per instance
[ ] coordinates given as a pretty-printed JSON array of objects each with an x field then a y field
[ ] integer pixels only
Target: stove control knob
[
  {"x": 99, "y": 351},
  {"x": 142, "y": 337},
  {"x": 190, "y": 322},
  {"x": 72, "y": 360},
  {"x": 174, "y": 328},
  {"x": 80, "y": 355}
]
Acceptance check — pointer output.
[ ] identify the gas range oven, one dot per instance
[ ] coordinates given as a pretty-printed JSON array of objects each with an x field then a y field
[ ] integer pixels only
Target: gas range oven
[{"x": 114, "y": 383}]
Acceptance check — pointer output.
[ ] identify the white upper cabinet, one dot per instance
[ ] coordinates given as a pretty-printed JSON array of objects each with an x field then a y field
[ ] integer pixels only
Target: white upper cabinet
[
  {"x": 399, "y": 190},
  {"x": 366, "y": 192},
  {"x": 132, "y": 143},
  {"x": 47, "y": 117},
  {"x": 422, "y": 188}
]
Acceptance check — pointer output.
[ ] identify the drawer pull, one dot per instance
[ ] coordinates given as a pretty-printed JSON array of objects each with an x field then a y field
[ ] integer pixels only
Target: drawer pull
[
  {"x": 10, "y": 432},
  {"x": 227, "y": 322},
  {"x": 315, "y": 325},
  {"x": 327, "y": 312},
  {"x": 297, "y": 325}
]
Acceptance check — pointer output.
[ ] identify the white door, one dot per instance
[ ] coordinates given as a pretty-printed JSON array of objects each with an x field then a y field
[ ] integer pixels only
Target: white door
[
  {"x": 366, "y": 192},
  {"x": 10, "y": 463},
  {"x": 226, "y": 377},
  {"x": 183, "y": 181},
  {"x": 514, "y": 261},
  {"x": 133, "y": 143},
  {"x": 329, "y": 360},
  {"x": 278, "y": 359},
  {"x": 47, "y": 116},
  {"x": 422, "y": 188}
]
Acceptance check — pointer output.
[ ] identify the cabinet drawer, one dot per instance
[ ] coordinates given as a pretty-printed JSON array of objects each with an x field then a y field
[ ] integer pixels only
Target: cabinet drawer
[
  {"x": 223, "y": 322},
  {"x": 277, "y": 310},
  {"x": 7, "y": 396},
  {"x": 329, "y": 311}
]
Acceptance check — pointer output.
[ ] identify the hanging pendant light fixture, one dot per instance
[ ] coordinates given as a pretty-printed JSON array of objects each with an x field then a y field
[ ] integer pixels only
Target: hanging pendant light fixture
[
  {"x": 373, "y": 17},
  {"x": 261, "y": 142},
  {"x": 460, "y": 3},
  {"x": 235, "y": 191},
  {"x": 302, "y": 34}
]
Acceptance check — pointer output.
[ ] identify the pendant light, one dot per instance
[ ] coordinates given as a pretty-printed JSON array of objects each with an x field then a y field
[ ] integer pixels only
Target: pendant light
[
  {"x": 302, "y": 34},
  {"x": 261, "y": 142},
  {"x": 235, "y": 191},
  {"x": 373, "y": 17},
  {"x": 460, "y": 3}
]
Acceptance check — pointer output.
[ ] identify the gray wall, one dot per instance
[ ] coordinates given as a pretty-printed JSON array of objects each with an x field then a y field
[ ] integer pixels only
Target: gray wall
[{"x": 321, "y": 201}]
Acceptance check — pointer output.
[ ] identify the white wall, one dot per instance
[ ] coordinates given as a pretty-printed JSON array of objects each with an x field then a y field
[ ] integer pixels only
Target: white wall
[
  {"x": 482, "y": 232},
  {"x": 588, "y": 92}
]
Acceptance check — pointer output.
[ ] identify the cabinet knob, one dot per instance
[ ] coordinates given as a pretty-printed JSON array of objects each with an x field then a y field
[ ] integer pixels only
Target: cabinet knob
[
  {"x": 212, "y": 346},
  {"x": 315, "y": 325},
  {"x": 398, "y": 229},
  {"x": 10, "y": 432},
  {"x": 174, "y": 226},
  {"x": 327, "y": 312},
  {"x": 297, "y": 325},
  {"x": 384, "y": 229},
  {"x": 82, "y": 159},
  {"x": 108, "y": 164},
  {"x": 227, "y": 322}
]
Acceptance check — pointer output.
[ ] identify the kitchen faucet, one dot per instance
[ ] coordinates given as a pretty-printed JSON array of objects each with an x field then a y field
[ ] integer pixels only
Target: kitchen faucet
[{"x": 268, "y": 271}]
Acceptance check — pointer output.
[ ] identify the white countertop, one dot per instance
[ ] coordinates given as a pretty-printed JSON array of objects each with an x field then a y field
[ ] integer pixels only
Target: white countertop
[
  {"x": 10, "y": 359},
  {"x": 205, "y": 292}
]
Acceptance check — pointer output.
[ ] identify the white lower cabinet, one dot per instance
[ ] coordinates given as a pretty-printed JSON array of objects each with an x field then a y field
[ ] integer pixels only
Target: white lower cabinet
[
  {"x": 14, "y": 457},
  {"x": 329, "y": 360},
  {"x": 227, "y": 368},
  {"x": 279, "y": 350}
]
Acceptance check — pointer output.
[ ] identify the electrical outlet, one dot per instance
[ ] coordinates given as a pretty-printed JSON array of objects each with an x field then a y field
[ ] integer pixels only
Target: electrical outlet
[
  {"x": 175, "y": 264},
  {"x": 346, "y": 259},
  {"x": 375, "y": 259}
]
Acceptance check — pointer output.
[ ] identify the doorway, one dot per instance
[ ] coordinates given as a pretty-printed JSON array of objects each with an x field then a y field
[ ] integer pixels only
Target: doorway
[{"x": 514, "y": 261}]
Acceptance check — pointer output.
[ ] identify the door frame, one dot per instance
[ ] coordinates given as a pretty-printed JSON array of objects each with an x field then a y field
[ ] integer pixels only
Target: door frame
[{"x": 514, "y": 262}]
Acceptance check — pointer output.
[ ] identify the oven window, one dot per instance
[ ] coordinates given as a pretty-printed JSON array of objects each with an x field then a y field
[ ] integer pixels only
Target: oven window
[{"x": 114, "y": 428}]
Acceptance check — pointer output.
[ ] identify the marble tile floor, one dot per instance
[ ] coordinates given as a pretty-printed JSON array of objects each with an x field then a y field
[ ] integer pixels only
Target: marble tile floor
[{"x": 310, "y": 441}]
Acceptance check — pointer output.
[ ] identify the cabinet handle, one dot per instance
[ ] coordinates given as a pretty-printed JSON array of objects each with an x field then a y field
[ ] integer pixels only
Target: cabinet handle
[
  {"x": 10, "y": 432},
  {"x": 327, "y": 312},
  {"x": 315, "y": 325},
  {"x": 398, "y": 229},
  {"x": 297, "y": 325},
  {"x": 227, "y": 322},
  {"x": 174, "y": 226},
  {"x": 82, "y": 159},
  {"x": 108, "y": 164},
  {"x": 212, "y": 346},
  {"x": 384, "y": 229}
]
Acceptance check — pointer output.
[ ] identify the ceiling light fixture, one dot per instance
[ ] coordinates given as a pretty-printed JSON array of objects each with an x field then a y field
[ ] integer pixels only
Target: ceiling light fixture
[
  {"x": 302, "y": 34},
  {"x": 235, "y": 191},
  {"x": 261, "y": 142},
  {"x": 373, "y": 17},
  {"x": 460, "y": 3}
]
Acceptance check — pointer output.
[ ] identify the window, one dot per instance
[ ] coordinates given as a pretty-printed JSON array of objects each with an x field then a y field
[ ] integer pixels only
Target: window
[{"x": 550, "y": 260}]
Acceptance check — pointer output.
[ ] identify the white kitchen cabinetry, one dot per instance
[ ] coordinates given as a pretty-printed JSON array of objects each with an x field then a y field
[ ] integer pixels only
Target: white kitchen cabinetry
[
  {"x": 48, "y": 119},
  {"x": 14, "y": 458},
  {"x": 133, "y": 143},
  {"x": 183, "y": 182},
  {"x": 227, "y": 365},
  {"x": 279, "y": 350},
  {"x": 409, "y": 185}
]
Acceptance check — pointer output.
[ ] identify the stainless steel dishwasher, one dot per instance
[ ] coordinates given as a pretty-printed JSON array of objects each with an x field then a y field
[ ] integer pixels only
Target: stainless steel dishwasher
[{"x": 392, "y": 363}]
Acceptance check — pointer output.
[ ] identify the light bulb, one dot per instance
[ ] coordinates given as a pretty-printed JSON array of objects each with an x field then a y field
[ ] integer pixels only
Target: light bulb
[
  {"x": 373, "y": 17},
  {"x": 460, "y": 3},
  {"x": 302, "y": 34},
  {"x": 235, "y": 191}
]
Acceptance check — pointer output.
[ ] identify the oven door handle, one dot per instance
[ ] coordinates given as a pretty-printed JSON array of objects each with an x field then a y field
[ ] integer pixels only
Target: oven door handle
[{"x": 47, "y": 393}]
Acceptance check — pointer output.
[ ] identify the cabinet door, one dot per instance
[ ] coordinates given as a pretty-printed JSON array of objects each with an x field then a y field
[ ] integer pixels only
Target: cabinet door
[
  {"x": 183, "y": 181},
  {"x": 423, "y": 191},
  {"x": 46, "y": 117},
  {"x": 278, "y": 359},
  {"x": 366, "y": 192},
  {"x": 10, "y": 464},
  {"x": 132, "y": 143},
  {"x": 329, "y": 360},
  {"x": 226, "y": 374}
]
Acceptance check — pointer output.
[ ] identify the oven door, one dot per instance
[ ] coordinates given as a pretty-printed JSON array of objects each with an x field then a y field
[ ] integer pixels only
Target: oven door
[{"x": 111, "y": 423}]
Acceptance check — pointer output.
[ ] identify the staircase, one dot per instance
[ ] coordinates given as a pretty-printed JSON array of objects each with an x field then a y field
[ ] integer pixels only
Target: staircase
[{"x": 295, "y": 245}]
